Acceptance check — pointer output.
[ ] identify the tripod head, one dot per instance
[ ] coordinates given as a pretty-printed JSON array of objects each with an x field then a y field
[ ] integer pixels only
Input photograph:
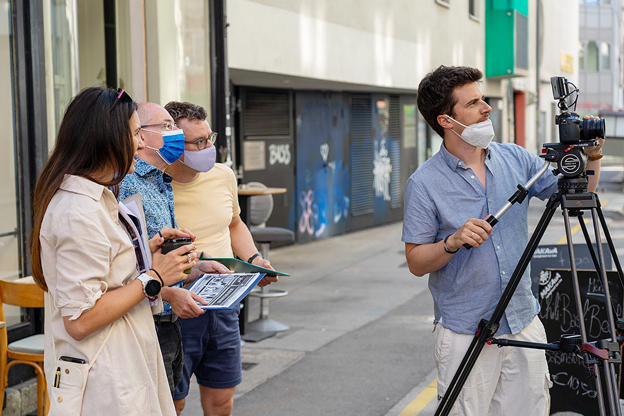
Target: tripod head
[{"x": 571, "y": 163}]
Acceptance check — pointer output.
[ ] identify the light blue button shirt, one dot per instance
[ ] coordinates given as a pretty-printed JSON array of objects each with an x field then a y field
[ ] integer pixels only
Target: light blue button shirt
[
  {"x": 157, "y": 196},
  {"x": 440, "y": 197}
]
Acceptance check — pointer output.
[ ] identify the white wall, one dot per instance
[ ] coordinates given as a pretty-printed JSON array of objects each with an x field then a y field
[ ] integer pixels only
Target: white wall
[{"x": 383, "y": 44}]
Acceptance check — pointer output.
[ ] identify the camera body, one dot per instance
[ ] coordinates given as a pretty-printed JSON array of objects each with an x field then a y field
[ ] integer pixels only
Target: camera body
[
  {"x": 572, "y": 129},
  {"x": 574, "y": 135}
]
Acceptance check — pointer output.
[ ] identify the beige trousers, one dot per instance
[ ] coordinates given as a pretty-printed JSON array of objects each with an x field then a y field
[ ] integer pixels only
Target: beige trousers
[{"x": 506, "y": 381}]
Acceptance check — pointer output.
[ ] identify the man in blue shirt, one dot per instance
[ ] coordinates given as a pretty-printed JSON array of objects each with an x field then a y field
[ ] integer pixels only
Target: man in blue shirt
[
  {"x": 150, "y": 180},
  {"x": 446, "y": 201}
]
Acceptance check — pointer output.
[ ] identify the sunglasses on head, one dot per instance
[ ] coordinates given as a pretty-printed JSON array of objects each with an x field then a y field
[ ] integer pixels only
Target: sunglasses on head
[{"x": 121, "y": 97}]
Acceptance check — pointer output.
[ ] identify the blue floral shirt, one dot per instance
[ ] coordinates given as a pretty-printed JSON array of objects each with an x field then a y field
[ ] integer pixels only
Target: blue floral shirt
[{"x": 157, "y": 195}]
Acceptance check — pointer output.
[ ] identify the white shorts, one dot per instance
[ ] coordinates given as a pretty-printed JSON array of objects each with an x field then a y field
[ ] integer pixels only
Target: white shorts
[{"x": 504, "y": 381}]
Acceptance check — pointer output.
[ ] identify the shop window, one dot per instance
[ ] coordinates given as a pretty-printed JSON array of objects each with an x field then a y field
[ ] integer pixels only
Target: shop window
[
  {"x": 591, "y": 64},
  {"x": 9, "y": 238},
  {"x": 178, "y": 52},
  {"x": 605, "y": 56}
]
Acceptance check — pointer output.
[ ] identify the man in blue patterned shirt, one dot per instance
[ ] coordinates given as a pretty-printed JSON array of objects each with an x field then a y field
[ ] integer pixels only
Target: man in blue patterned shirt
[
  {"x": 446, "y": 201},
  {"x": 150, "y": 180}
]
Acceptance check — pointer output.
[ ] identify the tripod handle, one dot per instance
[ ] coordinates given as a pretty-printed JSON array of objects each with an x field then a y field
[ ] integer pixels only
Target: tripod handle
[{"x": 492, "y": 220}]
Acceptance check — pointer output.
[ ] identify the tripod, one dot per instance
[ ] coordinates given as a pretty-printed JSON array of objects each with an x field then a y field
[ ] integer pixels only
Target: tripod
[{"x": 599, "y": 357}]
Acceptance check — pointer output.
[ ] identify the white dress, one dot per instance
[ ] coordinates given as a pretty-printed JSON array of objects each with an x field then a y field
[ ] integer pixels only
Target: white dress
[{"x": 86, "y": 252}]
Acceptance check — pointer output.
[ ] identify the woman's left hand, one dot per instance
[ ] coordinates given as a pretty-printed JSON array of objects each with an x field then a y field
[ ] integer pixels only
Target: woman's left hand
[{"x": 166, "y": 233}]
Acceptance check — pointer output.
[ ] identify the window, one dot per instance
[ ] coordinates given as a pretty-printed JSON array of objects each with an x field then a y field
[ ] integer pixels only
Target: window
[
  {"x": 9, "y": 245},
  {"x": 179, "y": 47},
  {"x": 473, "y": 8},
  {"x": 581, "y": 58},
  {"x": 591, "y": 3},
  {"x": 605, "y": 56},
  {"x": 591, "y": 64}
]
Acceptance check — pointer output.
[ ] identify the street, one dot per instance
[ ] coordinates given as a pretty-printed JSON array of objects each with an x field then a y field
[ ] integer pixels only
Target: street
[{"x": 361, "y": 339}]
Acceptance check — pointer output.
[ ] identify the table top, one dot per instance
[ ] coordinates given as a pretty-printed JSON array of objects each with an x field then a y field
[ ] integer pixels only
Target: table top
[{"x": 251, "y": 191}]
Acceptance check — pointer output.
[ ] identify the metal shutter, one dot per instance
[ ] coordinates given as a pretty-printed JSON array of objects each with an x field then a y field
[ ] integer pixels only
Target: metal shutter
[
  {"x": 394, "y": 129},
  {"x": 361, "y": 124},
  {"x": 267, "y": 113}
]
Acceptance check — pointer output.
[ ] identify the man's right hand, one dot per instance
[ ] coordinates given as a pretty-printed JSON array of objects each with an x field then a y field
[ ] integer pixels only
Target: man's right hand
[
  {"x": 182, "y": 302},
  {"x": 474, "y": 232}
]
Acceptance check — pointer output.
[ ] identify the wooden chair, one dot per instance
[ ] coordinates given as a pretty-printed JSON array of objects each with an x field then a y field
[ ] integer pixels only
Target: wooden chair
[{"x": 24, "y": 293}]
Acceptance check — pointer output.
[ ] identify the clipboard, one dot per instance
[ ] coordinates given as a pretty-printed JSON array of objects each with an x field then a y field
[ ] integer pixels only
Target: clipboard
[{"x": 239, "y": 266}]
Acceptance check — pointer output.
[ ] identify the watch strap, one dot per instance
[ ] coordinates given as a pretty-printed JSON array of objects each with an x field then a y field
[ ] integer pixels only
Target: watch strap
[
  {"x": 446, "y": 247},
  {"x": 252, "y": 258}
]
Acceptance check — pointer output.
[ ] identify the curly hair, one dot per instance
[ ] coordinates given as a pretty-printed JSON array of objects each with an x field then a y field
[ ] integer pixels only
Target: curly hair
[
  {"x": 179, "y": 110},
  {"x": 435, "y": 92}
]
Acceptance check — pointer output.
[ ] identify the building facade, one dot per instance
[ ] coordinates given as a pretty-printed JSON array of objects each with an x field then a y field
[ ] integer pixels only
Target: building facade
[{"x": 600, "y": 56}]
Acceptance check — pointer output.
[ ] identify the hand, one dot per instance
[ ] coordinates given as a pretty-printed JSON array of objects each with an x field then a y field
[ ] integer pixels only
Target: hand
[
  {"x": 172, "y": 265},
  {"x": 182, "y": 302},
  {"x": 473, "y": 232},
  {"x": 266, "y": 280},
  {"x": 592, "y": 151},
  {"x": 165, "y": 233}
]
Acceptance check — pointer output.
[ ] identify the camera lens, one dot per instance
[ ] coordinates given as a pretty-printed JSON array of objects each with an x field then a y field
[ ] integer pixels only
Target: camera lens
[{"x": 591, "y": 129}]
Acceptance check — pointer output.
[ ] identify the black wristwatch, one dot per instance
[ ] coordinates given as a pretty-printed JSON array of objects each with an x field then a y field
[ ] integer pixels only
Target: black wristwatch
[
  {"x": 250, "y": 259},
  {"x": 151, "y": 286}
]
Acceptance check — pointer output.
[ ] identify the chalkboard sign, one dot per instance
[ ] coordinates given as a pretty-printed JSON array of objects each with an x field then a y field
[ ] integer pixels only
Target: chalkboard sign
[{"x": 572, "y": 390}]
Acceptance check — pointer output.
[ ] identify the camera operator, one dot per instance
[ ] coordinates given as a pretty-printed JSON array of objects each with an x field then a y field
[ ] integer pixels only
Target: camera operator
[{"x": 446, "y": 201}]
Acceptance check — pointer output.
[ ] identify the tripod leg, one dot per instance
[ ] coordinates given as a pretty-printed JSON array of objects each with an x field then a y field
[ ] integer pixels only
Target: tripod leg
[
  {"x": 488, "y": 329},
  {"x": 590, "y": 246},
  {"x": 579, "y": 308},
  {"x": 610, "y": 373},
  {"x": 614, "y": 255}
]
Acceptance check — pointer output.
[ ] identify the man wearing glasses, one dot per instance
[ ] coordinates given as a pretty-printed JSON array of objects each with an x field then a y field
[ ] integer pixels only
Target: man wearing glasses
[
  {"x": 206, "y": 199},
  {"x": 164, "y": 144}
]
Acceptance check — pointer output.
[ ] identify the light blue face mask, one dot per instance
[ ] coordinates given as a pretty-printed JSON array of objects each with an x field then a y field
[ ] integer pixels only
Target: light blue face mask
[{"x": 173, "y": 147}]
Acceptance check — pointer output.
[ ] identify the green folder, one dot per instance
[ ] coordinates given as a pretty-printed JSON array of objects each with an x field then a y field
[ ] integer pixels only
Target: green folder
[{"x": 239, "y": 266}]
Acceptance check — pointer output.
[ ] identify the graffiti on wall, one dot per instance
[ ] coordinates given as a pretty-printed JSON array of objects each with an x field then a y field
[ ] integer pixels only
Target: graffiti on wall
[
  {"x": 382, "y": 168},
  {"x": 279, "y": 153},
  {"x": 310, "y": 222}
]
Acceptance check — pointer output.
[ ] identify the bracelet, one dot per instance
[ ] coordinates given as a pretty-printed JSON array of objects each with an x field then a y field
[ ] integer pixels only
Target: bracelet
[
  {"x": 446, "y": 247},
  {"x": 161, "y": 279},
  {"x": 595, "y": 157},
  {"x": 253, "y": 257}
]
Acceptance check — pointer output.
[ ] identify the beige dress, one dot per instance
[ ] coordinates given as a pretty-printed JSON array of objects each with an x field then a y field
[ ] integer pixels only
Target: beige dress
[{"x": 85, "y": 252}]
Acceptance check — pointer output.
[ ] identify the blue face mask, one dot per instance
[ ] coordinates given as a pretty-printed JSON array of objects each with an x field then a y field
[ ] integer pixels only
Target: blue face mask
[{"x": 173, "y": 147}]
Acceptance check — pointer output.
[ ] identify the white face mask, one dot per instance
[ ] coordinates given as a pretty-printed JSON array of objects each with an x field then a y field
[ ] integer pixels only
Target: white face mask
[
  {"x": 478, "y": 134},
  {"x": 200, "y": 160}
]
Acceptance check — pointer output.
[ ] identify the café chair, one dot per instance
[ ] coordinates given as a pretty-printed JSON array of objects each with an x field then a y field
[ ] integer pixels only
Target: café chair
[
  {"x": 26, "y": 294},
  {"x": 261, "y": 207}
]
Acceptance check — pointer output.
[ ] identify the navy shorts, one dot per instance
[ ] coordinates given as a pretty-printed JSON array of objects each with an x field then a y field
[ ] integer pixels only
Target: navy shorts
[{"x": 212, "y": 351}]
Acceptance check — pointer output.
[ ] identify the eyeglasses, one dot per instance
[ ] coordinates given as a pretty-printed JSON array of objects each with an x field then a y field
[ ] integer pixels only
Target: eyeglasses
[
  {"x": 202, "y": 143},
  {"x": 121, "y": 97},
  {"x": 169, "y": 126}
]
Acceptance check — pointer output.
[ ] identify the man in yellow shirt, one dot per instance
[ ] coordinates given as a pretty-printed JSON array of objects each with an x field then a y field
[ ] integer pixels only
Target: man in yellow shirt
[{"x": 206, "y": 199}]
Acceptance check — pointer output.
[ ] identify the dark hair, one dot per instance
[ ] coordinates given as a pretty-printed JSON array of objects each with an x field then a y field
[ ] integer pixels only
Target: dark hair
[
  {"x": 435, "y": 92},
  {"x": 179, "y": 110},
  {"x": 94, "y": 136}
]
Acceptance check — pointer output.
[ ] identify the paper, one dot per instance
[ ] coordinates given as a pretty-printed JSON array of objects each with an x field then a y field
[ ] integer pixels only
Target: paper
[{"x": 224, "y": 291}]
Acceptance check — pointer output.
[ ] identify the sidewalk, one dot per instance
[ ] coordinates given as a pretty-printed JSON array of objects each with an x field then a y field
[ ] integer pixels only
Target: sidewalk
[
  {"x": 338, "y": 287},
  {"x": 360, "y": 340}
]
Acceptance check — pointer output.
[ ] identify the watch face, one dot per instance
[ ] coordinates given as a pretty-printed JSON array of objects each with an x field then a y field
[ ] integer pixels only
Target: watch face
[{"x": 152, "y": 288}]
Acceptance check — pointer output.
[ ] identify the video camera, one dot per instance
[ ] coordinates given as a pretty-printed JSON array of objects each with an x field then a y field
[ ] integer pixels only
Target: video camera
[{"x": 574, "y": 135}]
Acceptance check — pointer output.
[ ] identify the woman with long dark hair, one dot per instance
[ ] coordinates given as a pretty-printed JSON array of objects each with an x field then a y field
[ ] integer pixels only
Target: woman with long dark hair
[{"x": 101, "y": 351}]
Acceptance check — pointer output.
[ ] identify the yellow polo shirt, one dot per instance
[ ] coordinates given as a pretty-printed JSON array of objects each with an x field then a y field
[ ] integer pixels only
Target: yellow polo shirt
[{"x": 206, "y": 207}]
